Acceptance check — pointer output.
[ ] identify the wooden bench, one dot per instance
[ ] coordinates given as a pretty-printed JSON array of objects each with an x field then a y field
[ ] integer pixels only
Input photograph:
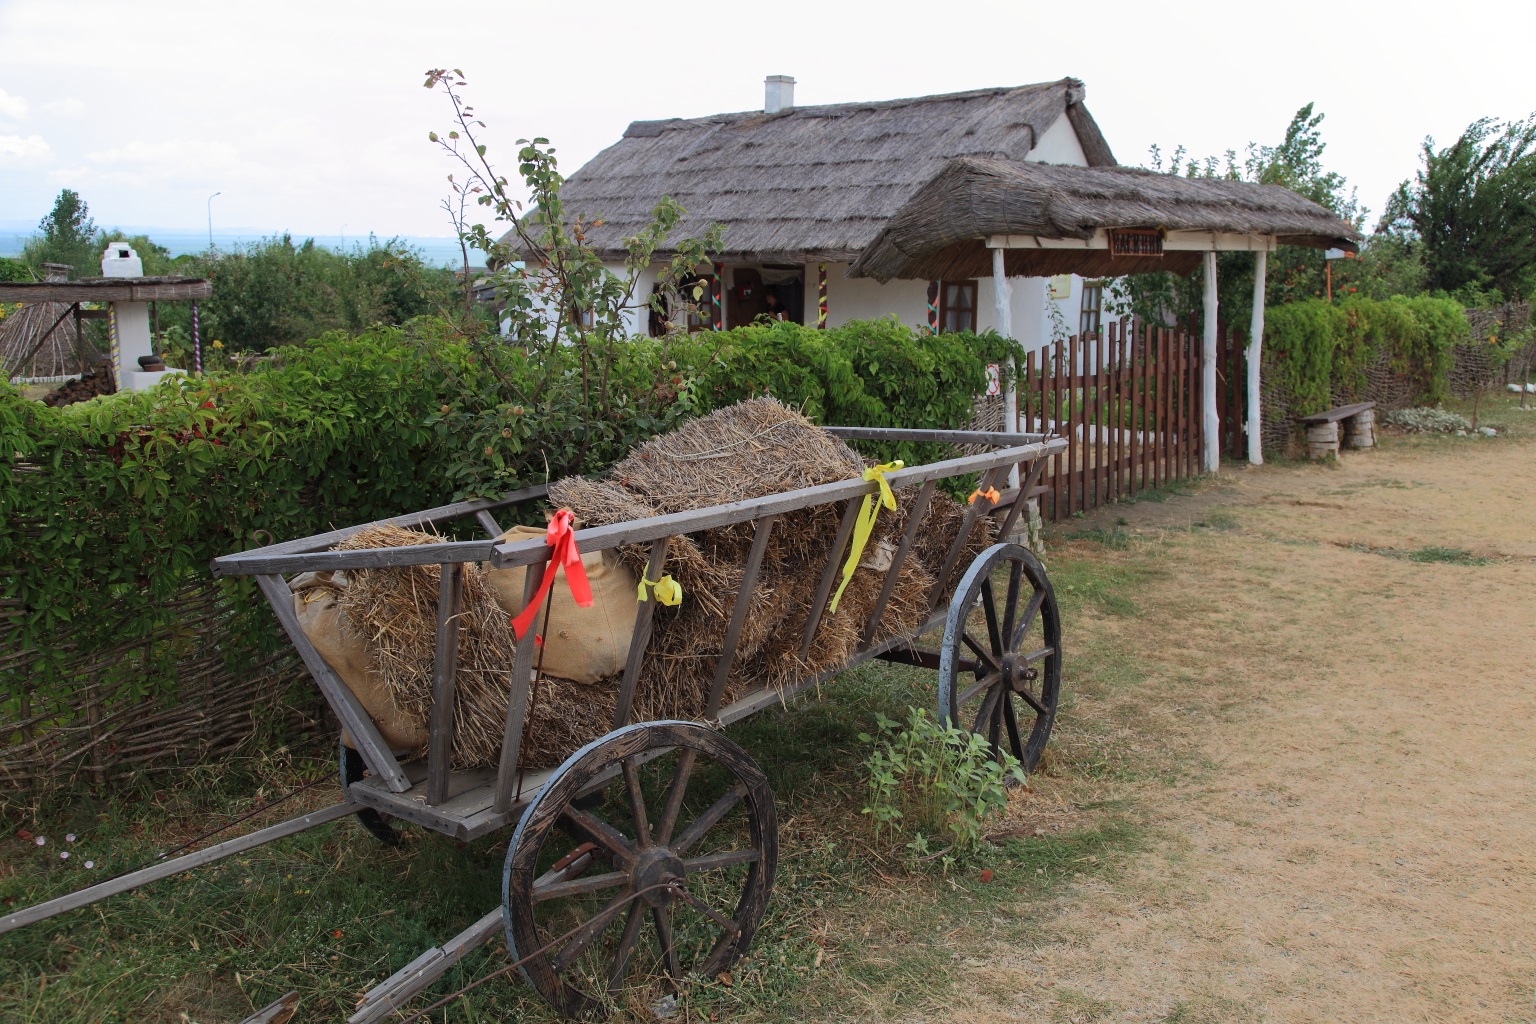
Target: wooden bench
[{"x": 1323, "y": 429}]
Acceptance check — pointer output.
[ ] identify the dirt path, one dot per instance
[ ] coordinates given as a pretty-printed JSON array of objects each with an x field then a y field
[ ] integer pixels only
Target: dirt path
[{"x": 1358, "y": 841}]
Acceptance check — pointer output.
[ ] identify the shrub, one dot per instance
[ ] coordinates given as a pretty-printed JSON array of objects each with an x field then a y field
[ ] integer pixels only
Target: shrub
[
  {"x": 1427, "y": 421},
  {"x": 1321, "y": 351},
  {"x": 936, "y": 783}
]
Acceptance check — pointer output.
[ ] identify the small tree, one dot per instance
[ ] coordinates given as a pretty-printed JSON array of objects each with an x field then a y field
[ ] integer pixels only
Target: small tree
[
  {"x": 66, "y": 235},
  {"x": 568, "y": 315},
  {"x": 1472, "y": 209}
]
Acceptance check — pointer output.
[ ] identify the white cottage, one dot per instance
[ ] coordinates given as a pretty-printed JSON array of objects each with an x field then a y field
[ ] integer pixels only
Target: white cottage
[{"x": 969, "y": 211}]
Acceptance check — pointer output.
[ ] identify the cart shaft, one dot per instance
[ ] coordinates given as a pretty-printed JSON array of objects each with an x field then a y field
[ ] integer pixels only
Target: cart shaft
[{"x": 134, "y": 879}]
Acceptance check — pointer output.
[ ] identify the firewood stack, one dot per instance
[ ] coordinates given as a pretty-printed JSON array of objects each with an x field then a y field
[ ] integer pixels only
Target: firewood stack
[{"x": 100, "y": 381}]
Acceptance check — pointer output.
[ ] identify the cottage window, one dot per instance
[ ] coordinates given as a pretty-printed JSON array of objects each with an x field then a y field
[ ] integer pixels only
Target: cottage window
[
  {"x": 1093, "y": 300},
  {"x": 957, "y": 306}
]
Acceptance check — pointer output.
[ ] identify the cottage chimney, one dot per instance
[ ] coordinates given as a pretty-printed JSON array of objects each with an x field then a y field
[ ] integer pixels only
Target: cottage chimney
[{"x": 778, "y": 94}]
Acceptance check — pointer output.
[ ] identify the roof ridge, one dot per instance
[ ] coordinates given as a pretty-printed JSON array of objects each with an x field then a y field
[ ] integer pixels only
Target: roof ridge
[{"x": 650, "y": 128}]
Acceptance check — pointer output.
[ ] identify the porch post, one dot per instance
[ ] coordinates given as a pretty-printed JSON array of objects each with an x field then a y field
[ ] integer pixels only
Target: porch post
[
  {"x": 1002, "y": 294},
  {"x": 1211, "y": 425},
  {"x": 1255, "y": 350}
]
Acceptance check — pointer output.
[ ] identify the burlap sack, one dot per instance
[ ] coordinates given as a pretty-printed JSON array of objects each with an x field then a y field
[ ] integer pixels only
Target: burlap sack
[
  {"x": 586, "y": 644},
  {"x": 314, "y": 602}
]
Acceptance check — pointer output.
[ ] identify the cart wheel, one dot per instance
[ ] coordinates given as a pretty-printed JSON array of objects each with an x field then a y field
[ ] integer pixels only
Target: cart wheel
[
  {"x": 352, "y": 770},
  {"x": 1001, "y": 676},
  {"x": 585, "y": 888}
]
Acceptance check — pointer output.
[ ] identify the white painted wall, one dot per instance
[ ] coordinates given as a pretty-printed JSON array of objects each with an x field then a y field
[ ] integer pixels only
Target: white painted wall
[{"x": 1058, "y": 145}]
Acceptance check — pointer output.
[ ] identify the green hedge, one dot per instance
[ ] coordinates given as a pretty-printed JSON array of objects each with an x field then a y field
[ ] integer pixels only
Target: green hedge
[
  {"x": 1319, "y": 349},
  {"x": 117, "y": 504}
]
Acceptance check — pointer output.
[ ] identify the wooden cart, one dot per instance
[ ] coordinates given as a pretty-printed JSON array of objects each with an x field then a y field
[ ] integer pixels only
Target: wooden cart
[{"x": 650, "y": 852}]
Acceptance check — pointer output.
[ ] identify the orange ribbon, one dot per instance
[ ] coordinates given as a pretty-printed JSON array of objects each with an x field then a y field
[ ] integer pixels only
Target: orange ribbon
[
  {"x": 990, "y": 494},
  {"x": 562, "y": 538}
]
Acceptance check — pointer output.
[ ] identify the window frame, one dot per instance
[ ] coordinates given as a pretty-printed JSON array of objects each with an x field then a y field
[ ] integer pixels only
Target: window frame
[{"x": 946, "y": 307}]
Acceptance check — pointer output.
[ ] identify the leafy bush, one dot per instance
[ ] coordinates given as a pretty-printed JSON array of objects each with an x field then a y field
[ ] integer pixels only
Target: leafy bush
[
  {"x": 1320, "y": 351},
  {"x": 936, "y": 783}
]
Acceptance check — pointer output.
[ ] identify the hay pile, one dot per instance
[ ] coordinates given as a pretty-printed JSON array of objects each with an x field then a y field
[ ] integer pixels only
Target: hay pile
[
  {"x": 752, "y": 450},
  {"x": 394, "y": 612}
]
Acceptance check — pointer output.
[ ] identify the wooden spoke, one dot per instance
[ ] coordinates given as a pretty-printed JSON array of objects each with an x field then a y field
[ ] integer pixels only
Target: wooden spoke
[
  {"x": 1010, "y": 719},
  {"x": 989, "y": 608},
  {"x": 576, "y": 886},
  {"x": 662, "y": 916},
  {"x": 587, "y": 932},
  {"x": 626, "y": 946},
  {"x": 1033, "y": 701},
  {"x": 674, "y": 801},
  {"x": 981, "y": 652},
  {"x": 988, "y": 709},
  {"x": 1027, "y": 619},
  {"x": 1015, "y": 575},
  {"x": 990, "y": 679},
  {"x": 1044, "y": 652},
  {"x": 600, "y": 832},
  {"x": 637, "y": 803},
  {"x": 706, "y": 821},
  {"x": 998, "y": 699},
  {"x": 727, "y": 859}
]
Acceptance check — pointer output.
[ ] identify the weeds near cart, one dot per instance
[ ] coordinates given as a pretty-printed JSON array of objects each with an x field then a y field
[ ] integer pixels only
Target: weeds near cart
[{"x": 937, "y": 783}]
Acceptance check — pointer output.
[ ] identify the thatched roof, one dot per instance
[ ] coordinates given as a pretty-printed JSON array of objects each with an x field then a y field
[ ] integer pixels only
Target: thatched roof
[
  {"x": 811, "y": 184},
  {"x": 40, "y": 340},
  {"x": 941, "y": 231}
]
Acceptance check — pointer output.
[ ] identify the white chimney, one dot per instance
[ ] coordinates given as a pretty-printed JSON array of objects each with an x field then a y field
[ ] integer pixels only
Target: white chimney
[
  {"x": 121, "y": 261},
  {"x": 778, "y": 94}
]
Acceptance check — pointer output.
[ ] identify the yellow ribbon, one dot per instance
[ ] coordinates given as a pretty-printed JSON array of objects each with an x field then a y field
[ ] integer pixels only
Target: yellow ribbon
[
  {"x": 864, "y": 525},
  {"x": 667, "y": 590}
]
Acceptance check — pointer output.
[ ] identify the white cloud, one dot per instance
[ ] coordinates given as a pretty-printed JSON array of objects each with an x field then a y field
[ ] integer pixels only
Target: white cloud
[
  {"x": 66, "y": 107},
  {"x": 12, "y": 106},
  {"x": 28, "y": 149}
]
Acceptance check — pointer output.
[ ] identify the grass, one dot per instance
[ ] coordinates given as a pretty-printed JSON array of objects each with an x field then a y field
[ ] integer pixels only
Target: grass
[
  {"x": 1433, "y": 554},
  {"x": 331, "y": 912}
]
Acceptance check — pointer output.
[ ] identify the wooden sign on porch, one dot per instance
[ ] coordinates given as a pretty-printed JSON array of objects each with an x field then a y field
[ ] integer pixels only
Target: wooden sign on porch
[{"x": 1135, "y": 241}]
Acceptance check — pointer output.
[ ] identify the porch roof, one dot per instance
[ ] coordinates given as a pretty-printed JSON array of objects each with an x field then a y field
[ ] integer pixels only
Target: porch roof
[{"x": 1055, "y": 219}]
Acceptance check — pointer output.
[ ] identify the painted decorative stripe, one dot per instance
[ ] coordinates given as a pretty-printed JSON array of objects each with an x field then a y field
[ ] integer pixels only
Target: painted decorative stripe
[
  {"x": 718, "y": 286},
  {"x": 197, "y": 343},
  {"x": 117, "y": 347},
  {"x": 821, "y": 296},
  {"x": 933, "y": 307}
]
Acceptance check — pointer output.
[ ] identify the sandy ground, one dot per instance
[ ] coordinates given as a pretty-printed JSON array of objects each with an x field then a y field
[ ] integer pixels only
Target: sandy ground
[{"x": 1358, "y": 837}]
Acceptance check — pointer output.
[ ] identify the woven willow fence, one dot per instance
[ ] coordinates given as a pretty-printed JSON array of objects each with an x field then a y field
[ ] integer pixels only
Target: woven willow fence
[{"x": 104, "y": 727}]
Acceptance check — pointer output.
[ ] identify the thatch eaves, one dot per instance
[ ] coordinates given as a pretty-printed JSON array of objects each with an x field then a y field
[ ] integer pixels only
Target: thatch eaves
[
  {"x": 810, "y": 184},
  {"x": 942, "y": 230}
]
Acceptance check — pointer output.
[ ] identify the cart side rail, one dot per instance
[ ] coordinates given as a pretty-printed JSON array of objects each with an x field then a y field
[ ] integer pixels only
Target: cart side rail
[{"x": 267, "y": 561}]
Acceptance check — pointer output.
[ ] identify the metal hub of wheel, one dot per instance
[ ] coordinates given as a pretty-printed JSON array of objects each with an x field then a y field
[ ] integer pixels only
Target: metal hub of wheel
[
  {"x": 1000, "y": 663},
  {"x": 664, "y": 877}
]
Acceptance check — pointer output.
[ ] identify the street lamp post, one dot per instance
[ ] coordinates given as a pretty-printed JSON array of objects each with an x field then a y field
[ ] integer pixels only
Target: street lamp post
[{"x": 210, "y": 217}]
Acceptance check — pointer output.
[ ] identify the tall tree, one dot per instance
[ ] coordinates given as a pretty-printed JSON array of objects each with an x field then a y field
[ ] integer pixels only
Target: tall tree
[
  {"x": 1472, "y": 209},
  {"x": 66, "y": 235}
]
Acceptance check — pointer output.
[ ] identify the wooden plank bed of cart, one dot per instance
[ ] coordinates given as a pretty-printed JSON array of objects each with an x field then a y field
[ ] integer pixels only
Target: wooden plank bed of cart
[{"x": 648, "y": 855}]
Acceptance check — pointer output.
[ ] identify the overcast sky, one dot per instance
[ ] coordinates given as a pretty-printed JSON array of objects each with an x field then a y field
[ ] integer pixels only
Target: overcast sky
[{"x": 311, "y": 116}]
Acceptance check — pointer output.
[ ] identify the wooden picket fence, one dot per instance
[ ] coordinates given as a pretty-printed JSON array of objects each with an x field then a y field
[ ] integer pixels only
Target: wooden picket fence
[{"x": 1128, "y": 402}]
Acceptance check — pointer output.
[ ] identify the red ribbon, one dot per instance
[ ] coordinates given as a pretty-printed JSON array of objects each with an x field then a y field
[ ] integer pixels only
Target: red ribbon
[{"x": 562, "y": 539}]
